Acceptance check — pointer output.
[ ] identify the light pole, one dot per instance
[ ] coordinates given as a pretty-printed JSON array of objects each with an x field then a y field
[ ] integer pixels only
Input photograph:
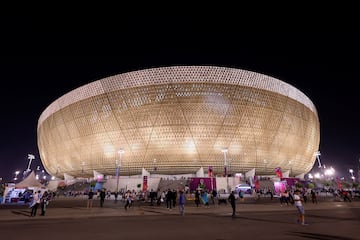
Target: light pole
[
  {"x": 82, "y": 168},
  {"x": 265, "y": 163},
  {"x": 351, "y": 171},
  {"x": 155, "y": 167},
  {"x": 317, "y": 154},
  {"x": 30, "y": 157},
  {"x": 118, "y": 164},
  {"x": 225, "y": 150},
  {"x": 26, "y": 172},
  {"x": 290, "y": 163}
]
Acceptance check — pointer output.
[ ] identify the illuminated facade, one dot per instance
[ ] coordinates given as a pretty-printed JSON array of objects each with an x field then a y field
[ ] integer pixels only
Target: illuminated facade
[{"x": 174, "y": 120}]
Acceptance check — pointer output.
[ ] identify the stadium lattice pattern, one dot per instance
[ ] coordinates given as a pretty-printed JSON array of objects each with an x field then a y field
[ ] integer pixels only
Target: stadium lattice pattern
[{"x": 174, "y": 120}]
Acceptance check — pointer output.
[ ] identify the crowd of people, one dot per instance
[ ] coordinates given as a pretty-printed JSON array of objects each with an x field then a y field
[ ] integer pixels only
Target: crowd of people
[{"x": 172, "y": 198}]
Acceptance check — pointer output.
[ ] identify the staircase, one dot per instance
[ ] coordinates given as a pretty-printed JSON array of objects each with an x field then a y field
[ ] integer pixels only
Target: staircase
[{"x": 166, "y": 184}]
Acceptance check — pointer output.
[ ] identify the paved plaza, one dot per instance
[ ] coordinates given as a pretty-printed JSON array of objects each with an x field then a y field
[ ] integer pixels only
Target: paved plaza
[{"x": 263, "y": 219}]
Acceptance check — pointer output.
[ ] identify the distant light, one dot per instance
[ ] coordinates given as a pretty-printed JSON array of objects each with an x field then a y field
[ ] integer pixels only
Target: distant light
[{"x": 330, "y": 171}]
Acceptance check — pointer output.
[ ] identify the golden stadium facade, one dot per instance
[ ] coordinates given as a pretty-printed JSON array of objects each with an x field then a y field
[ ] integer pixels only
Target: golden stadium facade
[{"x": 175, "y": 120}]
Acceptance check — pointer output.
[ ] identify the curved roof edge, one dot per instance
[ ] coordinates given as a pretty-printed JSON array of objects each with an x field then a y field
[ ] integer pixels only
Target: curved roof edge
[{"x": 178, "y": 74}]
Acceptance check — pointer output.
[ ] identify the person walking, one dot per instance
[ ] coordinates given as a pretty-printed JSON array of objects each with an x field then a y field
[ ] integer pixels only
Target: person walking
[
  {"x": 174, "y": 197},
  {"x": 128, "y": 199},
  {"x": 90, "y": 198},
  {"x": 116, "y": 194},
  {"x": 205, "y": 198},
  {"x": 313, "y": 197},
  {"x": 213, "y": 195},
  {"x": 44, "y": 202},
  {"x": 298, "y": 203},
  {"x": 197, "y": 198},
  {"x": 152, "y": 197},
  {"x": 232, "y": 202},
  {"x": 35, "y": 203},
  {"x": 168, "y": 197},
  {"x": 102, "y": 197},
  {"x": 182, "y": 202}
]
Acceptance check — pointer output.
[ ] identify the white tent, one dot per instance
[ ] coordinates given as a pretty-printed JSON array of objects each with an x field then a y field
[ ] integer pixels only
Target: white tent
[{"x": 30, "y": 181}]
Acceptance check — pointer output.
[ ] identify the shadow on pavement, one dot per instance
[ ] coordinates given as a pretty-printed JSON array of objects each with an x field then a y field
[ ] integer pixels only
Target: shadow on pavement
[{"x": 22, "y": 212}]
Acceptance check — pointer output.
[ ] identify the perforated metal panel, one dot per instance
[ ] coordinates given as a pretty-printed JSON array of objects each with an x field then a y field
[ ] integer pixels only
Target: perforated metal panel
[{"x": 182, "y": 117}]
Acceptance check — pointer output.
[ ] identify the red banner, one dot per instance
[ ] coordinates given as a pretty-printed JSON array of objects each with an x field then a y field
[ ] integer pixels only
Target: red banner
[
  {"x": 210, "y": 171},
  {"x": 278, "y": 172},
  {"x": 145, "y": 184},
  {"x": 257, "y": 183}
]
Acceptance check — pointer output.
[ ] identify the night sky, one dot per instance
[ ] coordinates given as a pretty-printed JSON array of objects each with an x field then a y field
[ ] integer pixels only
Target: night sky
[{"x": 40, "y": 60}]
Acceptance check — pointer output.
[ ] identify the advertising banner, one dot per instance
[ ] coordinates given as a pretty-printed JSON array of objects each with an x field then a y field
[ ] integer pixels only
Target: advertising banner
[
  {"x": 202, "y": 183},
  {"x": 145, "y": 183}
]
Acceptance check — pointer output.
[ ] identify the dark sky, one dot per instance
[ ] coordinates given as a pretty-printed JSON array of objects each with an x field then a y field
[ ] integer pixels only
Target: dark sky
[{"x": 42, "y": 59}]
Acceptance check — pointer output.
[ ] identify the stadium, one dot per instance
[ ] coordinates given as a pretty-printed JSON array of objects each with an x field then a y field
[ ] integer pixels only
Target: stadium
[{"x": 177, "y": 120}]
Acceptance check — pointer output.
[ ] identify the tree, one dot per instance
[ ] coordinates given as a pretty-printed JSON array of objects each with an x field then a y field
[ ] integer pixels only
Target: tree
[
  {"x": 311, "y": 185},
  {"x": 346, "y": 184}
]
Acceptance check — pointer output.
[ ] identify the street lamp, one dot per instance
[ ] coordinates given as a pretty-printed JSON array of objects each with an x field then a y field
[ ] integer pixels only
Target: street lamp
[
  {"x": 317, "y": 154},
  {"x": 118, "y": 164},
  {"x": 351, "y": 171},
  {"x": 16, "y": 174},
  {"x": 265, "y": 163},
  {"x": 30, "y": 157},
  {"x": 155, "y": 167},
  {"x": 42, "y": 174},
  {"x": 82, "y": 168},
  {"x": 225, "y": 150},
  {"x": 290, "y": 163}
]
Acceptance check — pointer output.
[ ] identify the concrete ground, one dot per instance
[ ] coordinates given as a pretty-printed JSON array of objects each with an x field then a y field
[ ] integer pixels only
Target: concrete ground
[{"x": 264, "y": 219}]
